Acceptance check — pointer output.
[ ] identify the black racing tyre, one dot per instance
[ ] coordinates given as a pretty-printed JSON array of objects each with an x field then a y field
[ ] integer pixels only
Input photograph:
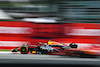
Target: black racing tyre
[{"x": 24, "y": 50}]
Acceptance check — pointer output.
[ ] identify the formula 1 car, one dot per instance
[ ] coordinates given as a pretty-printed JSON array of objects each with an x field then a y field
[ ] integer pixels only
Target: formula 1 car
[{"x": 41, "y": 48}]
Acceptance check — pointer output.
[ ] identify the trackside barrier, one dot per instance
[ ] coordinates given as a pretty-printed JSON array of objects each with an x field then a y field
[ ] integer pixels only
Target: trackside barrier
[
  {"x": 14, "y": 33},
  {"x": 30, "y": 29}
]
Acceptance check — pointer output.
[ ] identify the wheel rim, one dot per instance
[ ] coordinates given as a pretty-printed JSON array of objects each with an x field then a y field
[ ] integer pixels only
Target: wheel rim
[{"x": 24, "y": 50}]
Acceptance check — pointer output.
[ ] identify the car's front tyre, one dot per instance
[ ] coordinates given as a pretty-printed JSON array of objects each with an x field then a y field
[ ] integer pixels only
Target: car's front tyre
[{"x": 24, "y": 50}]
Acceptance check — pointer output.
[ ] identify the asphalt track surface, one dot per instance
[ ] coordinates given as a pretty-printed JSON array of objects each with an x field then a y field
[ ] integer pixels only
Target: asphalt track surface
[{"x": 36, "y": 59}]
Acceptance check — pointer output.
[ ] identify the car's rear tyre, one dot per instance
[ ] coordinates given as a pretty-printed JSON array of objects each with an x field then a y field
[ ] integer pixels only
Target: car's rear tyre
[{"x": 24, "y": 50}]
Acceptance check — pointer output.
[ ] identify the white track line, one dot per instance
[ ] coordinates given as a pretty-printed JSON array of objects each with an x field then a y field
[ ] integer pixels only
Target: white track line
[{"x": 5, "y": 52}]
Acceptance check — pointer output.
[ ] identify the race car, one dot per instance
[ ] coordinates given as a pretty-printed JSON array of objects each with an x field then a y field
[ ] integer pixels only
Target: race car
[{"x": 42, "y": 48}]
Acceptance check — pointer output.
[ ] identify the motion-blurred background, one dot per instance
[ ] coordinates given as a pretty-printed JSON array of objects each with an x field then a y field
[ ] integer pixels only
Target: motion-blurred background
[
  {"x": 65, "y": 10},
  {"x": 33, "y": 21}
]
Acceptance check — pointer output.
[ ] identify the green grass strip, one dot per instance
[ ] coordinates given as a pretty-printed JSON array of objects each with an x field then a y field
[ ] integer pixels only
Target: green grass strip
[{"x": 4, "y": 50}]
